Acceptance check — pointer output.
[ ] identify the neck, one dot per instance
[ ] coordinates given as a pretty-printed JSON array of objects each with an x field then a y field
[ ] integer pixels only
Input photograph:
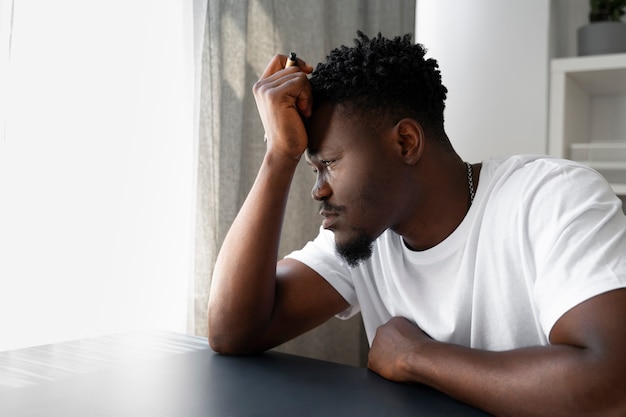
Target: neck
[{"x": 441, "y": 200}]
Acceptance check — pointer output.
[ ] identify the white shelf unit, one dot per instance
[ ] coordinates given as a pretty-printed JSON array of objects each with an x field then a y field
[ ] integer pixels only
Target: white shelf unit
[{"x": 588, "y": 114}]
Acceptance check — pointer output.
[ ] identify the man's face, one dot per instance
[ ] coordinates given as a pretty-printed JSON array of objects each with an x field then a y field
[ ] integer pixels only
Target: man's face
[{"x": 354, "y": 180}]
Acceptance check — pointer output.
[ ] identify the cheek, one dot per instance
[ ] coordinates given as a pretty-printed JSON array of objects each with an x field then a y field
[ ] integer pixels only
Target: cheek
[
  {"x": 368, "y": 198},
  {"x": 368, "y": 202},
  {"x": 367, "y": 192}
]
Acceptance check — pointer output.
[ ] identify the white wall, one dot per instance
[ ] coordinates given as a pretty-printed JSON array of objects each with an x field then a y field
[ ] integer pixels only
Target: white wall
[
  {"x": 494, "y": 58},
  {"x": 96, "y": 170}
]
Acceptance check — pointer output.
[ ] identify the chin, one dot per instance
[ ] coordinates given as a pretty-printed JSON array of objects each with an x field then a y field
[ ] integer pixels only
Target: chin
[{"x": 354, "y": 250}]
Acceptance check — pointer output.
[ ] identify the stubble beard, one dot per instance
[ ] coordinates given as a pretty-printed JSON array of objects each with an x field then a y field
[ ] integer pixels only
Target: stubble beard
[{"x": 356, "y": 250}]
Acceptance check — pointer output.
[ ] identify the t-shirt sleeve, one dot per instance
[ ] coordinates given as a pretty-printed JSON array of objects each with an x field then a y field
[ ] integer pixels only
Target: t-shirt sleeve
[
  {"x": 580, "y": 243},
  {"x": 320, "y": 256}
]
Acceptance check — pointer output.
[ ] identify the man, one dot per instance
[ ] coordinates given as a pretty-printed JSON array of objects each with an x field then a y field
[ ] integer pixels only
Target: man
[{"x": 500, "y": 283}]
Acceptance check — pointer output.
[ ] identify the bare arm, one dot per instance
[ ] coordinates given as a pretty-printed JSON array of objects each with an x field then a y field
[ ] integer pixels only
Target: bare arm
[
  {"x": 255, "y": 304},
  {"x": 583, "y": 372}
]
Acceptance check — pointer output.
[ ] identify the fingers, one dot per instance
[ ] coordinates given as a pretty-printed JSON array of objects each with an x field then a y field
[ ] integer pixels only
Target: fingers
[
  {"x": 305, "y": 105},
  {"x": 291, "y": 60},
  {"x": 292, "y": 85},
  {"x": 283, "y": 96},
  {"x": 279, "y": 62},
  {"x": 282, "y": 70},
  {"x": 306, "y": 68}
]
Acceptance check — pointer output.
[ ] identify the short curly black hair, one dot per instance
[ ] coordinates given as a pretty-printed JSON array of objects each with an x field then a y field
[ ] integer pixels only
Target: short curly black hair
[{"x": 388, "y": 79}]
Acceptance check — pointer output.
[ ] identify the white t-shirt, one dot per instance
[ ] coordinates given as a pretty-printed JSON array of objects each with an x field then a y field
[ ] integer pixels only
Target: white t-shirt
[{"x": 541, "y": 236}]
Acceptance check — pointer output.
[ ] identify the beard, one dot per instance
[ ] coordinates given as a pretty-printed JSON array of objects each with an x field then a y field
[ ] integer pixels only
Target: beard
[{"x": 355, "y": 250}]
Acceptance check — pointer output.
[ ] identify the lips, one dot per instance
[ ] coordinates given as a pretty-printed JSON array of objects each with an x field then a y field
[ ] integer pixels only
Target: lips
[{"x": 329, "y": 218}]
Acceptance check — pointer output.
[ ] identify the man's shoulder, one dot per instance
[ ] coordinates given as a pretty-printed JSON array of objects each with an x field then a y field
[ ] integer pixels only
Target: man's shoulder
[
  {"x": 547, "y": 189},
  {"x": 535, "y": 170},
  {"x": 529, "y": 162}
]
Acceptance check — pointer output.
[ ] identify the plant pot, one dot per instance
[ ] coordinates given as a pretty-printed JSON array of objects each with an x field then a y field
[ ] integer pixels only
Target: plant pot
[{"x": 602, "y": 38}]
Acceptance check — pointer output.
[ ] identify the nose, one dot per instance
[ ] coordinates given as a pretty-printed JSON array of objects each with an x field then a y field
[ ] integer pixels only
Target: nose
[{"x": 321, "y": 189}]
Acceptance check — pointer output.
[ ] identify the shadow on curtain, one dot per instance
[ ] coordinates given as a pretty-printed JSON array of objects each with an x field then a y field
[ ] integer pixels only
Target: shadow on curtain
[{"x": 240, "y": 38}]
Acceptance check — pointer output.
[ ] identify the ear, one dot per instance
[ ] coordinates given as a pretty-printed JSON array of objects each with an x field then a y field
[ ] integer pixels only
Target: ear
[{"x": 410, "y": 139}]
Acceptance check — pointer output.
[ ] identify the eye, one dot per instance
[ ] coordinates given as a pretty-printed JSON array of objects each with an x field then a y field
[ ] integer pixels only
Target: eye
[{"x": 326, "y": 164}]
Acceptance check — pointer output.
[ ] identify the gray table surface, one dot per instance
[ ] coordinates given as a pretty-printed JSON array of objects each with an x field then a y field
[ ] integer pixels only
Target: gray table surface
[{"x": 169, "y": 374}]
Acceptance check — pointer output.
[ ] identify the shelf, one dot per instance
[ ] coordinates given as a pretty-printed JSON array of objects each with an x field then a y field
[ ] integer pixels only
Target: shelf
[
  {"x": 588, "y": 114},
  {"x": 605, "y": 165},
  {"x": 599, "y": 151},
  {"x": 600, "y": 74},
  {"x": 619, "y": 189},
  {"x": 613, "y": 171},
  {"x": 589, "y": 63}
]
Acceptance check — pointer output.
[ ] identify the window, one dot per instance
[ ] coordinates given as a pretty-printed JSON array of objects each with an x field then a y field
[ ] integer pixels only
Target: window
[{"x": 96, "y": 168}]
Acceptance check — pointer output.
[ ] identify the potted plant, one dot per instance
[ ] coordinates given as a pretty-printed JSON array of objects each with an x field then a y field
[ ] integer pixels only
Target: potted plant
[{"x": 605, "y": 33}]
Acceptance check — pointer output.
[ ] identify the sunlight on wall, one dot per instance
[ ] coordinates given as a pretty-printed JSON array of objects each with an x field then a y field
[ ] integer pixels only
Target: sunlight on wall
[
  {"x": 493, "y": 57},
  {"x": 96, "y": 170}
]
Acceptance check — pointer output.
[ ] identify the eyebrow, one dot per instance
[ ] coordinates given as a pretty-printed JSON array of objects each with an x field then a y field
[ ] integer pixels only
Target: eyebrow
[
  {"x": 309, "y": 155},
  {"x": 314, "y": 153}
]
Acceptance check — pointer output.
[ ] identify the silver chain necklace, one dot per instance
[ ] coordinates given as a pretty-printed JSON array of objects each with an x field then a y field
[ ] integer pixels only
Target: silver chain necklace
[{"x": 470, "y": 182}]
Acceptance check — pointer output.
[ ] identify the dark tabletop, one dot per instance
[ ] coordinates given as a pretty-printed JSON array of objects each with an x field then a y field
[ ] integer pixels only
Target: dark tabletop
[{"x": 178, "y": 375}]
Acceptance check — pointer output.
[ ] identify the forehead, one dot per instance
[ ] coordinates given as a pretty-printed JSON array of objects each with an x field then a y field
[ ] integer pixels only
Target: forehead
[{"x": 331, "y": 128}]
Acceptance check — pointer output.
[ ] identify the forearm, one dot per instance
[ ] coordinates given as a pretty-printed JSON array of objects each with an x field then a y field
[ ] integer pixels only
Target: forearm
[
  {"x": 553, "y": 381},
  {"x": 244, "y": 278}
]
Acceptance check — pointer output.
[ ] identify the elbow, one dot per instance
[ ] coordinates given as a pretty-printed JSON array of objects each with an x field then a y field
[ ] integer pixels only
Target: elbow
[
  {"x": 220, "y": 337},
  {"x": 234, "y": 334},
  {"x": 219, "y": 345},
  {"x": 216, "y": 343},
  {"x": 222, "y": 341},
  {"x": 230, "y": 347},
  {"x": 227, "y": 342},
  {"x": 224, "y": 345}
]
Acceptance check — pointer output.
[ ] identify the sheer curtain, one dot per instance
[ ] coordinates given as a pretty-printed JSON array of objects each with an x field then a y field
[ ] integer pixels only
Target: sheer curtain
[
  {"x": 6, "y": 22},
  {"x": 240, "y": 39},
  {"x": 97, "y": 168}
]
